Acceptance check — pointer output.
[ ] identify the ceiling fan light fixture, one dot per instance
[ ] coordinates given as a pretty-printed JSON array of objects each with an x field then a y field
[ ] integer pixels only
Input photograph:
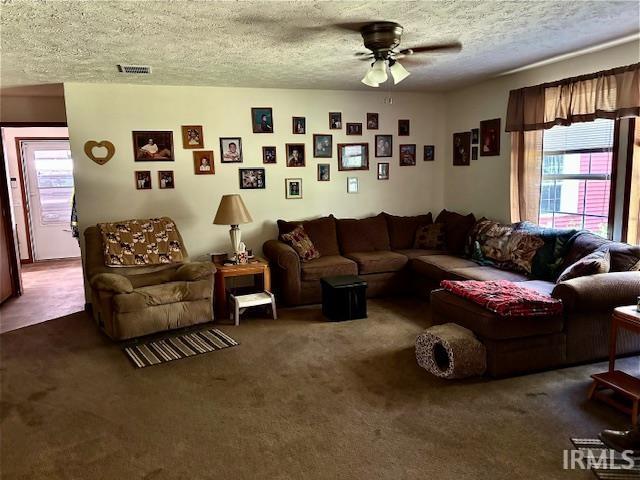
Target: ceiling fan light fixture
[
  {"x": 378, "y": 72},
  {"x": 367, "y": 80},
  {"x": 398, "y": 72}
]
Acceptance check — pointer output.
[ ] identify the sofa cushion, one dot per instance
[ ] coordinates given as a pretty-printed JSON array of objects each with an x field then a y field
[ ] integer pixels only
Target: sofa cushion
[
  {"x": 402, "y": 230},
  {"x": 364, "y": 235},
  {"x": 378, "y": 262},
  {"x": 594, "y": 263},
  {"x": 430, "y": 237},
  {"x": 624, "y": 257},
  {"x": 541, "y": 286},
  {"x": 440, "y": 267},
  {"x": 328, "y": 266},
  {"x": 488, "y": 324},
  {"x": 419, "y": 252},
  {"x": 321, "y": 231},
  {"x": 301, "y": 243},
  {"x": 456, "y": 229},
  {"x": 154, "y": 295},
  {"x": 488, "y": 273}
]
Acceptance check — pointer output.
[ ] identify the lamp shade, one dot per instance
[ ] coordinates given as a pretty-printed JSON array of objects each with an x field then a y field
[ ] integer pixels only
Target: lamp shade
[
  {"x": 398, "y": 72},
  {"x": 232, "y": 211}
]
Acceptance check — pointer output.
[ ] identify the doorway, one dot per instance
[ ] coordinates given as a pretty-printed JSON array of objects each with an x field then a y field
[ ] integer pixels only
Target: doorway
[
  {"x": 49, "y": 191},
  {"x": 38, "y": 173}
]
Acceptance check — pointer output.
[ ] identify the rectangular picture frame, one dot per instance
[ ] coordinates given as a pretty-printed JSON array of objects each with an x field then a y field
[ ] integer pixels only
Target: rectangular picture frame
[
  {"x": 322, "y": 145},
  {"x": 166, "y": 179},
  {"x": 298, "y": 125},
  {"x": 203, "y": 162},
  {"x": 262, "y": 119},
  {"x": 296, "y": 156},
  {"x": 269, "y": 155},
  {"x": 335, "y": 120},
  {"x": 353, "y": 185},
  {"x": 324, "y": 172},
  {"x": 230, "y": 150},
  {"x": 354, "y": 128},
  {"x": 407, "y": 154},
  {"x": 252, "y": 178},
  {"x": 347, "y": 154},
  {"x": 384, "y": 146},
  {"x": 383, "y": 170},
  {"x": 142, "y": 179},
  {"x": 192, "y": 137},
  {"x": 429, "y": 153},
  {"x": 373, "y": 121},
  {"x": 293, "y": 188},
  {"x": 153, "y": 146}
]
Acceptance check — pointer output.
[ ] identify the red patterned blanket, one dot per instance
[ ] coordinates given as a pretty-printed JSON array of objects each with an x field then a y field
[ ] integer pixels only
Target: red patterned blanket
[{"x": 505, "y": 298}]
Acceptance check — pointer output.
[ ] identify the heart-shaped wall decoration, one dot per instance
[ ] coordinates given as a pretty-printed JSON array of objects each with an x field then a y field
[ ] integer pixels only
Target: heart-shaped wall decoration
[{"x": 104, "y": 144}]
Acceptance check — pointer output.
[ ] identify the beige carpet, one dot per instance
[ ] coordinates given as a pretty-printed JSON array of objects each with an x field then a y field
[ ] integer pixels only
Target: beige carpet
[{"x": 299, "y": 398}]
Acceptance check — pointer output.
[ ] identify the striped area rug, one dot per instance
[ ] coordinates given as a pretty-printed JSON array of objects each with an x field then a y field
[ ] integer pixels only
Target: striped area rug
[
  {"x": 618, "y": 470},
  {"x": 176, "y": 347}
]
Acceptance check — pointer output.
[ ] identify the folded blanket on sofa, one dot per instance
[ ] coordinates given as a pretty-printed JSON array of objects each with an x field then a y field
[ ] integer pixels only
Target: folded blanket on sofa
[{"x": 505, "y": 298}]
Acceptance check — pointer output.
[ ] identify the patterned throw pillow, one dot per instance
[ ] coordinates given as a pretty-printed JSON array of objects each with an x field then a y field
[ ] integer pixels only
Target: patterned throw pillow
[
  {"x": 430, "y": 237},
  {"x": 596, "y": 262},
  {"x": 301, "y": 243},
  {"x": 521, "y": 248}
]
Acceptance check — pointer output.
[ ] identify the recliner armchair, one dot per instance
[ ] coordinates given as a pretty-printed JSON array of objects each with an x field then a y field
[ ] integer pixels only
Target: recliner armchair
[{"x": 132, "y": 301}]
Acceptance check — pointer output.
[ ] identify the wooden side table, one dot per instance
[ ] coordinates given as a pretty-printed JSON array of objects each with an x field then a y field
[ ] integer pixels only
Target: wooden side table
[
  {"x": 620, "y": 382},
  {"x": 256, "y": 266}
]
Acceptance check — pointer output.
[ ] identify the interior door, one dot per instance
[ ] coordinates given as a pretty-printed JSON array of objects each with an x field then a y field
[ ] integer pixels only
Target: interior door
[{"x": 49, "y": 172}]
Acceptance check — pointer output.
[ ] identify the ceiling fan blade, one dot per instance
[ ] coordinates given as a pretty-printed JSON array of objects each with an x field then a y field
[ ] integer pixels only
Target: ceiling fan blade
[
  {"x": 446, "y": 47},
  {"x": 413, "y": 61},
  {"x": 351, "y": 26}
]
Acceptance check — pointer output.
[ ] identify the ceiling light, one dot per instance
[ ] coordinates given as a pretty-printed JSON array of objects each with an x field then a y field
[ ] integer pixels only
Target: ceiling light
[
  {"x": 367, "y": 79},
  {"x": 398, "y": 72},
  {"x": 378, "y": 72}
]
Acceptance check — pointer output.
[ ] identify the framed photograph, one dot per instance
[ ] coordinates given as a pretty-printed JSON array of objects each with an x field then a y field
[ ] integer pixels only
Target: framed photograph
[
  {"x": 299, "y": 125},
  {"x": 384, "y": 145},
  {"x": 192, "y": 136},
  {"x": 324, "y": 172},
  {"x": 293, "y": 188},
  {"x": 230, "y": 149},
  {"x": 461, "y": 148},
  {"x": 165, "y": 179},
  {"x": 252, "y": 178},
  {"x": 262, "y": 119},
  {"x": 407, "y": 155},
  {"x": 335, "y": 120},
  {"x": 490, "y": 138},
  {"x": 475, "y": 135},
  {"x": 429, "y": 153},
  {"x": 203, "y": 162},
  {"x": 383, "y": 171},
  {"x": 322, "y": 145},
  {"x": 354, "y": 128},
  {"x": 151, "y": 146},
  {"x": 268, "y": 154},
  {"x": 143, "y": 179},
  {"x": 403, "y": 128},
  {"x": 353, "y": 156},
  {"x": 372, "y": 121},
  {"x": 295, "y": 155},
  {"x": 474, "y": 152},
  {"x": 352, "y": 184}
]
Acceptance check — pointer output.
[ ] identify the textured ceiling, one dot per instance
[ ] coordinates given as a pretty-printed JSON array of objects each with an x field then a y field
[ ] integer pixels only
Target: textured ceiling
[{"x": 289, "y": 44}]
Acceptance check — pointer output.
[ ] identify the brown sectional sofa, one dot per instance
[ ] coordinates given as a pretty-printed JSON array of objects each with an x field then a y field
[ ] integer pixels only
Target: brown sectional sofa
[{"x": 379, "y": 250}]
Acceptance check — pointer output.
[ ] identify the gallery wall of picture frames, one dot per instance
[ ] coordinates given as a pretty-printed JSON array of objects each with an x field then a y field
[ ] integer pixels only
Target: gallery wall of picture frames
[
  {"x": 158, "y": 146},
  {"x": 483, "y": 142}
]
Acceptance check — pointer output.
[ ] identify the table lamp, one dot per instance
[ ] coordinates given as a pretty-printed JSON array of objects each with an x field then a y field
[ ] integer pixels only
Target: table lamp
[{"x": 232, "y": 211}]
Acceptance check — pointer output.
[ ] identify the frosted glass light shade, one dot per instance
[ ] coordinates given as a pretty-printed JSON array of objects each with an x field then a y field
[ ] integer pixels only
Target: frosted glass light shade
[
  {"x": 367, "y": 80},
  {"x": 398, "y": 72},
  {"x": 378, "y": 73}
]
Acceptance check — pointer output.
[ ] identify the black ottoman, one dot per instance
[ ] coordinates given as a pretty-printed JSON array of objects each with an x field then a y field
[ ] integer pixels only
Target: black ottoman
[{"x": 344, "y": 297}]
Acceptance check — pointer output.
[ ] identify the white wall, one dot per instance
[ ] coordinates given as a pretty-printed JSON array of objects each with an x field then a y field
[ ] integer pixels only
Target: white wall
[
  {"x": 483, "y": 187},
  {"x": 9, "y": 135},
  {"x": 112, "y": 112}
]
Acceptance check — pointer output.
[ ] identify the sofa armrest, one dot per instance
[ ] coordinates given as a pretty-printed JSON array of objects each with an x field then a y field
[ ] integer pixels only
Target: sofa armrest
[
  {"x": 601, "y": 292},
  {"x": 111, "y": 282},
  {"x": 192, "y": 271},
  {"x": 282, "y": 255}
]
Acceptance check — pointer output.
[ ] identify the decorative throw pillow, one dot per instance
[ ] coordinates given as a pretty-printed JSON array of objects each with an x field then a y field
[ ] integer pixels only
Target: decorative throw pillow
[
  {"x": 430, "y": 237},
  {"x": 521, "y": 248},
  {"x": 596, "y": 262},
  {"x": 548, "y": 259},
  {"x": 301, "y": 243},
  {"x": 456, "y": 229},
  {"x": 490, "y": 243}
]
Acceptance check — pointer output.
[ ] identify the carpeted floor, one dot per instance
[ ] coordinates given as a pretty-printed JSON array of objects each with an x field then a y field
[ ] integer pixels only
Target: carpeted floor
[{"x": 299, "y": 398}]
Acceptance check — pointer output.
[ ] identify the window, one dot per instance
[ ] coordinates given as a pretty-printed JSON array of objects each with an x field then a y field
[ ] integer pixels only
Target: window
[{"x": 576, "y": 176}]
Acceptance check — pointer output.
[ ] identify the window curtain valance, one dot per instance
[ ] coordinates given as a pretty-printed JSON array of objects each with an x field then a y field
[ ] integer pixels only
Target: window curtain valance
[{"x": 609, "y": 94}]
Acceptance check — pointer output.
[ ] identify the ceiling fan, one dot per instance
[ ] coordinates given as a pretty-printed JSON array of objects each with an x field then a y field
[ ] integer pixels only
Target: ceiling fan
[{"x": 382, "y": 39}]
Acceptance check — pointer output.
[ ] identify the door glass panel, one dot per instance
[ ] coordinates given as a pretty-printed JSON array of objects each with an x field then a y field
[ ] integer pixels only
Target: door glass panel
[{"x": 54, "y": 176}]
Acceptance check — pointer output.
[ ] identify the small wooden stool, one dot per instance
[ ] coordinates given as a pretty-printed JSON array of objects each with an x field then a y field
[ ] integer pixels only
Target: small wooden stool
[
  {"x": 620, "y": 382},
  {"x": 239, "y": 303}
]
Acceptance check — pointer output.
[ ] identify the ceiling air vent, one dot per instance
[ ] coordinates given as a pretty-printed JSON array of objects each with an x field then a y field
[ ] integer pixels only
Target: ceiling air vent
[{"x": 137, "y": 69}]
